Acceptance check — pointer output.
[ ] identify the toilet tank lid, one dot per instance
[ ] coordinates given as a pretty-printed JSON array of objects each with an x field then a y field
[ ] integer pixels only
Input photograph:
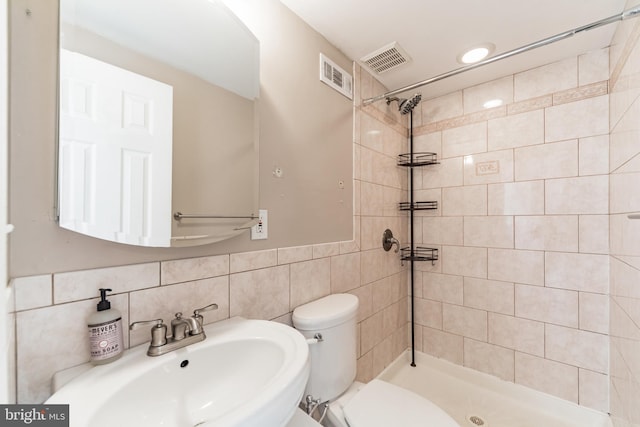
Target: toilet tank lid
[{"x": 325, "y": 312}]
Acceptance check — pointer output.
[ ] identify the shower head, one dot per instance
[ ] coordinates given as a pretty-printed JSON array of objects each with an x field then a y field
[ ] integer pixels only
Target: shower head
[{"x": 406, "y": 105}]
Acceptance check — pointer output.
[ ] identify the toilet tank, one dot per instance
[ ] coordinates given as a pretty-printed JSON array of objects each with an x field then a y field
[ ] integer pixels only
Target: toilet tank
[{"x": 333, "y": 360}]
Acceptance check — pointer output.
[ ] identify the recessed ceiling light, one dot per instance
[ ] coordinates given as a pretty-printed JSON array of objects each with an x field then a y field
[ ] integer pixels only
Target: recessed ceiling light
[
  {"x": 493, "y": 103},
  {"x": 476, "y": 54}
]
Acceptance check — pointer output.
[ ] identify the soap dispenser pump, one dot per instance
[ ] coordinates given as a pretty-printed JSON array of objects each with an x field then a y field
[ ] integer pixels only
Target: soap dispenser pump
[{"x": 105, "y": 332}]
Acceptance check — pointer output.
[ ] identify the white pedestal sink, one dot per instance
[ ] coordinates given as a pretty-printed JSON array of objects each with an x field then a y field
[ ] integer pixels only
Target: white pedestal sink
[{"x": 247, "y": 373}]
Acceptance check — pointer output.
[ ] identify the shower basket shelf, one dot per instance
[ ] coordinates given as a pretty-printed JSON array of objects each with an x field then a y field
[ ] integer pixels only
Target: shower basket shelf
[
  {"x": 419, "y": 254},
  {"x": 417, "y": 206},
  {"x": 417, "y": 159}
]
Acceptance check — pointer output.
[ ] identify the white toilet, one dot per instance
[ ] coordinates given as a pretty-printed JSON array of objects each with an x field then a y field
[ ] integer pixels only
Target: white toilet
[{"x": 333, "y": 370}]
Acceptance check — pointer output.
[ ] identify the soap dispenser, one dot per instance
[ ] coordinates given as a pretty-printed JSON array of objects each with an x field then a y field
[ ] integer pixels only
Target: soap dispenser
[{"x": 105, "y": 332}]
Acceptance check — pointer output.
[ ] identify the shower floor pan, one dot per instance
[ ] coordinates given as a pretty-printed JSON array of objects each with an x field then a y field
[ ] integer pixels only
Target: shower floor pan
[{"x": 476, "y": 399}]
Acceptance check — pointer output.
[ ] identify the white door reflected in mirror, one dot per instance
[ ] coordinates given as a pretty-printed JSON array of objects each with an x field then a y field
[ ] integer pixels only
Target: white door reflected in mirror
[
  {"x": 158, "y": 115},
  {"x": 115, "y": 152}
]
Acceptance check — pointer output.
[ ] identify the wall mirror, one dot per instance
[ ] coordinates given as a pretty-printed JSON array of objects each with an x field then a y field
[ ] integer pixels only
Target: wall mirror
[{"x": 157, "y": 116}]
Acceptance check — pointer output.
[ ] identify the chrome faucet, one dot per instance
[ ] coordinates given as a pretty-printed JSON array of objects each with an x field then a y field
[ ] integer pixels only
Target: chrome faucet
[{"x": 184, "y": 331}]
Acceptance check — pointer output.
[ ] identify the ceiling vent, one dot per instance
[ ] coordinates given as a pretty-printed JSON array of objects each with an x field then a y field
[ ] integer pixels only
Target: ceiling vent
[
  {"x": 336, "y": 77},
  {"x": 386, "y": 58}
]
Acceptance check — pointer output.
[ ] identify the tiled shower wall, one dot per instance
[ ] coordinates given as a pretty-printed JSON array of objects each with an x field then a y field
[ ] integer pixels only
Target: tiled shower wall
[
  {"x": 625, "y": 244},
  {"x": 51, "y": 310},
  {"x": 521, "y": 288}
]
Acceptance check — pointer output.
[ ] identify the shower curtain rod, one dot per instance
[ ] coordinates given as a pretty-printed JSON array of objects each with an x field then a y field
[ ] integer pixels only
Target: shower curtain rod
[{"x": 630, "y": 13}]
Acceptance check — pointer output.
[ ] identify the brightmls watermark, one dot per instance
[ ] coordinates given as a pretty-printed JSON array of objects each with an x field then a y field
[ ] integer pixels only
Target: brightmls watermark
[{"x": 34, "y": 415}]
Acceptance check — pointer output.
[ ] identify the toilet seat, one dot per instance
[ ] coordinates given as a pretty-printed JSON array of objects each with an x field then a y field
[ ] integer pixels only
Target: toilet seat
[{"x": 381, "y": 404}]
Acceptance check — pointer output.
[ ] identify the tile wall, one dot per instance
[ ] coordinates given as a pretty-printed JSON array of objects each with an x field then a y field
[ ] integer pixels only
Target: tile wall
[
  {"x": 521, "y": 288},
  {"x": 51, "y": 310},
  {"x": 624, "y": 167}
]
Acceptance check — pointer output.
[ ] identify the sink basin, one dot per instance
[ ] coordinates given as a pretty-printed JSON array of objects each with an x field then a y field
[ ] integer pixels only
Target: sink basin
[{"x": 245, "y": 373}]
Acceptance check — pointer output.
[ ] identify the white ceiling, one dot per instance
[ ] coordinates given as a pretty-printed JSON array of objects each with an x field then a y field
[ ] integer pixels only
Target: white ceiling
[{"x": 434, "y": 32}]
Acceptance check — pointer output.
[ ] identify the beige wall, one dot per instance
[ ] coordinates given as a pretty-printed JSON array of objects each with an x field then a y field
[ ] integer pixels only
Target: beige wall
[
  {"x": 306, "y": 129},
  {"x": 520, "y": 290},
  {"x": 625, "y": 245}
]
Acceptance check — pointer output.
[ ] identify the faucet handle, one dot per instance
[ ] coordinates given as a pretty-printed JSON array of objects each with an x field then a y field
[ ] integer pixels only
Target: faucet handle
[
  {"x": 209, "y": 307},
  {"x": 158, "y": 331},
  {"x": 156, "y": 323},
  {"x": 198, "y": 320}
]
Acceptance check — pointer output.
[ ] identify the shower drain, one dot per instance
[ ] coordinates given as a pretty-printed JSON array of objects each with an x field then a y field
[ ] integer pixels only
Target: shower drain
[{"x": 476, "y": 421}]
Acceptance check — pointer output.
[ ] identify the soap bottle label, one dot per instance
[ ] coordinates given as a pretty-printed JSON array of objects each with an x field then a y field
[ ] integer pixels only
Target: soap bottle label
[{"x": 106, "y": 339}]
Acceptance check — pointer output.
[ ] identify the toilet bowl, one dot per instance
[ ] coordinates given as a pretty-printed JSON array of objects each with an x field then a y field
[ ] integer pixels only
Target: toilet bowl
[{"x": 330, "y": 324}]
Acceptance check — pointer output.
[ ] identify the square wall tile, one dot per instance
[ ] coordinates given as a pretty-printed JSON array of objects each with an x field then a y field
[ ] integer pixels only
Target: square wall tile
[
  {"x": 372, "y": 227},
  {"x": 516, "y": 266},
  {"x": 365, "y": 301},
  {"x": 449, "y": 173},
  {"x": 593, "y": 67},
  {"x": 463, "y": 140},
  {"x": 547, "y": 376},
  {"x": 588, "y": 117},
  {"x": 584, "y": 195},
  {"x": 32, "y": 292},
  {"x": 583, "y": 349},
  {"x": 326, "y": 249},
  {"x": 84, "y": 284},
  {"x": 488, "y": 231},
  {"x": 443, "y": 345},
  {"x": 624, "y": 277},
  {"x": 310, "y": 280},
  {"x": 476, "y": 96},
  {"x": 517, "y": 130},
  {"x": 594, "y": 390},
  {"x": 443, "y": 288},
  {"x": 371, "y": 132},
  {"x": 519, "y": 334},
  {"x": 464, "y": 321},
  {"x": 469, "y": 200},
  {"x": 246, "y": 261},
  {"x": 294, "y": 254},
  {"x": 464, "y": 261},
  {"x": 623, "y": 235},
  {"x": 594, "y": 155},
  {"x": 442, "y": 230},
  {"x": 370, "y": 333},
  {"x": 186, "y": 270},
  {"x": 579, "y": 272},
  {"x": 547, "y": 233},
  {"x": 594, "y": 312},
  {"x": 441, "y": 108},
  {"x": 345, "y": 272},
  {"x": 594, "y": 234},
  {"x": 428, "y": 313},
  {"x": 624, "y": 192},
  {"x": 260, "y": 294},
  {"x": 375, "y": 264},
  {"x": 388, "y": 291},
  {"x": 490, "y": 359},
  {"x": 489, "y": 295},
  {"x": 430, "y": 143},
  {"x": 547, "y": 305},
  {"x": 547, "y": 79},
  {"x": 520, "y": 198},
  {"x": 372, "y": 199},
  {"x": 546, "y": 161}
]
